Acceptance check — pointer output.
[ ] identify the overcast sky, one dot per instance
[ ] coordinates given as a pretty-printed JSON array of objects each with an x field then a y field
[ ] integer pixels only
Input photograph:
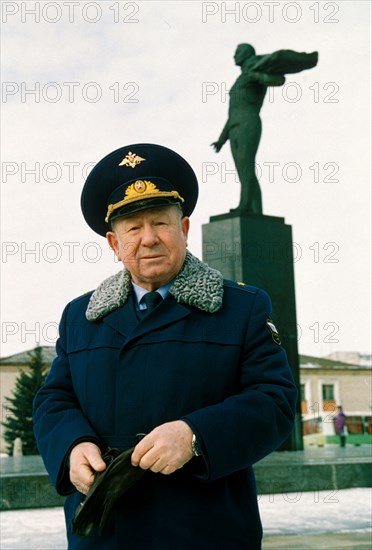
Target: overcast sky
[{"x": 81, "y": 79}]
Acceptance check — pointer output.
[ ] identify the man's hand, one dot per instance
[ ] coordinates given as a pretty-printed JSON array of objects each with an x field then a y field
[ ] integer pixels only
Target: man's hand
[
  {"x": 166, "y": 449},
  {"x": 85, "y": 459}
]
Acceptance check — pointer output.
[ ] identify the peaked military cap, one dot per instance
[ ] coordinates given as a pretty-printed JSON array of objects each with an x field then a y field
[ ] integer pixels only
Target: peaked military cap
[{"x": 137, "y": 177}]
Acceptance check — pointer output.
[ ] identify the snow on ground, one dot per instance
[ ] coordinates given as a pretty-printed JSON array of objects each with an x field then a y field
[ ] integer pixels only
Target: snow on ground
[
  {"x": 40, "y": 529},
  {"x": 284, "y": 513},
  {"x": 316, "y": 511}
]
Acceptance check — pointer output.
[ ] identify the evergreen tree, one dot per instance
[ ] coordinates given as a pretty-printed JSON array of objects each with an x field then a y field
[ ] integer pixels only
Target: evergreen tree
[{"x": 19, "y": 423}]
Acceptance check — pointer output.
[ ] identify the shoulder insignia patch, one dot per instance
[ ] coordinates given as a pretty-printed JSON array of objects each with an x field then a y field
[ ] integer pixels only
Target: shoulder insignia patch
[
  {"x": 240, "y": 283},
  {"x": 274, "y": 332}
]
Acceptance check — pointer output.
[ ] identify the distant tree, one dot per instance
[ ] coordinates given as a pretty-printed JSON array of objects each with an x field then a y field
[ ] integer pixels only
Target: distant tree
[{"x": 19, "y": 422}]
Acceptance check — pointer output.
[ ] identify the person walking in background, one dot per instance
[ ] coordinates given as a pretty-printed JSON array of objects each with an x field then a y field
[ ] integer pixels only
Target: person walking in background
[{"x": 340, "y": 423}]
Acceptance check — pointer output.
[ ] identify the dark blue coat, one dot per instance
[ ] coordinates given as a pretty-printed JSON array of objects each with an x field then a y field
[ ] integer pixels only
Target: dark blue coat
[{"x": 222, "y": 372}]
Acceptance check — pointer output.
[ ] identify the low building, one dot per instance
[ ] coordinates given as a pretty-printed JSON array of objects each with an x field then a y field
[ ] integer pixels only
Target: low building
[
  {"x": 352, "y": 357},
  {"x": 325, "y": 384},
  {"x": 328, "y": 383}
]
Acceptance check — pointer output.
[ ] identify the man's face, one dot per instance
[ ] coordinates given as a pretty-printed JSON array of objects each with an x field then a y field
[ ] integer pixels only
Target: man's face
[{"x": 151, "y": 244}]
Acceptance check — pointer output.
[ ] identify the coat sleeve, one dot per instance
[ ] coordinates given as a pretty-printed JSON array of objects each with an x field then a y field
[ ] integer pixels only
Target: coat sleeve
[
  {"x": 250, "y": 424},
  {"x": 59, "y": 423}
]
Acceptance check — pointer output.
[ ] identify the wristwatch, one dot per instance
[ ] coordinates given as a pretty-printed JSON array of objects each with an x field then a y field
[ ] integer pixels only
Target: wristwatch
[{"x": 194, "y": 446}]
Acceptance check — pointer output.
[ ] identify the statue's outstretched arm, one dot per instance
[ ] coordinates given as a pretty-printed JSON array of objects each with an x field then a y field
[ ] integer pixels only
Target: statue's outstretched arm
[
  {"x": 285, "y": 62},
  {"x": 222, "y": 139}
]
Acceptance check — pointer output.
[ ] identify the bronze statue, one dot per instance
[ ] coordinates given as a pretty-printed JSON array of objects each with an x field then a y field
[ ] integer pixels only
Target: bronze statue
[{"x": 243, "y": 127}]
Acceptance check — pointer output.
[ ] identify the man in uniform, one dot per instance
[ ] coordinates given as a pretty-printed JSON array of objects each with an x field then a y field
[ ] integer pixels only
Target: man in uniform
[{"x": 169, "y": 349}]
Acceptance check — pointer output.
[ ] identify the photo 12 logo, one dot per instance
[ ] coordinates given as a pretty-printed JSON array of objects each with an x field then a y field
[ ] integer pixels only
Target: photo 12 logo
[
  {"x": 290, "y": 92},
  {"x": 71, "y": 12},
  {"x": 52, "y": 252},
  {"x": 29, "y": 332},
  {"x": 227, "y": 251},
  {"x": 254, "y": 12},
  {"x": 274, "y": 172},
  {"x": 69, "y": 92},
  {"x": 48, "y": 172}
]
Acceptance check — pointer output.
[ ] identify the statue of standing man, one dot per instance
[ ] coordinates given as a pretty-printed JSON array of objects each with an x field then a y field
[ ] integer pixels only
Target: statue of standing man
[{"x": 243, "y": 127}]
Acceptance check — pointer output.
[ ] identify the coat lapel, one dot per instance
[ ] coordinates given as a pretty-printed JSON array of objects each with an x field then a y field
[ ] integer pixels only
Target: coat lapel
[
  {"x": 123, "y": 319},
  {"x": 168, "y": 312}
]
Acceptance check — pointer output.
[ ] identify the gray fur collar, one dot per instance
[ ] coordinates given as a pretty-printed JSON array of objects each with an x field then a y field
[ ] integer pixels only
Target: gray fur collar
[{"x": 196, "y": 285}]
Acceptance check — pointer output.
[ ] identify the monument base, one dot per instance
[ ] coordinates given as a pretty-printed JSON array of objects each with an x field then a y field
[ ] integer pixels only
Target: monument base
[
  {"x": 258, "y": 250},
  {"x": 25, "y": 483}
]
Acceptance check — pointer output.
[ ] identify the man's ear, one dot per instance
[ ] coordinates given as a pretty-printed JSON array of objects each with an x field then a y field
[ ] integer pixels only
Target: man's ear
[
  {"x": 185, "y": 226},
  {"x": 113, "y": 243}
]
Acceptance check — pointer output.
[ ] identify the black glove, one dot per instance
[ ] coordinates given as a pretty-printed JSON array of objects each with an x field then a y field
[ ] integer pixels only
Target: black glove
[{"x": 107, "y": 488}]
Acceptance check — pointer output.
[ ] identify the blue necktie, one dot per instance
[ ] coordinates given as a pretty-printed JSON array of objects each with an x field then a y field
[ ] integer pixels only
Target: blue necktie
[{"x": 151, "y": 299}]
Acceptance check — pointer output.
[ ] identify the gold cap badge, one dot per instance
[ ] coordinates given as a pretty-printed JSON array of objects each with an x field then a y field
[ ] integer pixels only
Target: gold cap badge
[
  {"x": 141, "y": 189},
  {"x": 131, "y": 159}
]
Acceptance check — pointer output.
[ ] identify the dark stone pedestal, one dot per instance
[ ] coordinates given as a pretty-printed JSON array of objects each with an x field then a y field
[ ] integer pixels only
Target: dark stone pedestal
[
  {"x": 24, "y": 482},
  {"x": 258, "y": 250}
]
